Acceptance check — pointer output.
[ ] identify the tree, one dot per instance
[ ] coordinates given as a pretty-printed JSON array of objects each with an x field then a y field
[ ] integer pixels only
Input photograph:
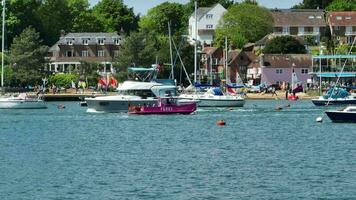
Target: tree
[
  {"x": 158, "y": 17},
  {"x": 54, "y": 16},
  {"x": 342, "y": 5},
  {"x": 313, "y": 4},
  {"x": 114, "y": 15},
  {"x": 243, "y": 23},
  {"x": 284, "y": 45},
  {"x": 28, "y": 57},
  {"x": 209, "y": 3},
  {"x": 138, "y": 49}
]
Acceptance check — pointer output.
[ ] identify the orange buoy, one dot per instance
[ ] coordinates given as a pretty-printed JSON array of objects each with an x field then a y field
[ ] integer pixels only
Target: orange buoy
[{"x": 221, "y": 123}]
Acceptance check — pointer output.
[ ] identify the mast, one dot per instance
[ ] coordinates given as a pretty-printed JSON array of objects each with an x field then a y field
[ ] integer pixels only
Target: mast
[
  {"x": 2, "y": 44},
  {"x": 170, "y": 49},
  {"x": 226, "y": 75},
  {"x": 195, "y": 41}
]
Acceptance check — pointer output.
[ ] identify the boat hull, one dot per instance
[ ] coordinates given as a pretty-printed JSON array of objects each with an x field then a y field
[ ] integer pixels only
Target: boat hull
[
  {"x": 341, "y": 117},
  {"x": 22, "y": 104},
  {"x": 216, "y": 101},
  {"x": 165, "y": 110},
  {"x": 115, "y": 106},
  {"x": 323, "y": 102}
]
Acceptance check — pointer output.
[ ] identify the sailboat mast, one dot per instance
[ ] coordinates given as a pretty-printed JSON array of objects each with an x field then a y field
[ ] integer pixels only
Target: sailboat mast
[
  {"x": 2, "y": 44},
  {"x": 170, "y": 49},
  {"x": 226, "y": 75},
  {"x": 195, "y": 41}
]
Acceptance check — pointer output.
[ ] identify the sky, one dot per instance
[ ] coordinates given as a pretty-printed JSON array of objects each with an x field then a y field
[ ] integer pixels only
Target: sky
[{"x": 142, "y": 6}]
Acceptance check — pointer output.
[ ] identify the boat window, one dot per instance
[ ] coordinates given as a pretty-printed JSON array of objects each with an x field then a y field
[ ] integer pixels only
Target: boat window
[{"x": 141, "y": 93}]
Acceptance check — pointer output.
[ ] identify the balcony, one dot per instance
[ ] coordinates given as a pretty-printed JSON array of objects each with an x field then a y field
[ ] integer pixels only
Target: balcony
[
  {"x": 349, "y": 33},
  {"x": 281, "y": 33},
  {"x": 306, "y": 33}
]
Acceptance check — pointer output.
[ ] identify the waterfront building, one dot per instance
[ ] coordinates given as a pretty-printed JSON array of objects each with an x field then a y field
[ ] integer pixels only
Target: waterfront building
[
  {"x": 278, "y": 68},
  {"x": 343, "y": 26},
  {"x": 74, "y": 48},
  {"x": 306, "y": 23},
  {"x": 207, "y": 21}
]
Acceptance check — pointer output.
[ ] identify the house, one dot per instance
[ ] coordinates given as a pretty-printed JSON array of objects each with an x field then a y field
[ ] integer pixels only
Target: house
[
  {"x": 306, "y": 23},
  {"x": 213, "y": 65},
  {"x": 253, "y": 74},
  {"x": 74, "y": 48},
  {"x": 278, "y": 68},
  {"x": 207, "y": 22},
  {"x": 343, "y": 26}
]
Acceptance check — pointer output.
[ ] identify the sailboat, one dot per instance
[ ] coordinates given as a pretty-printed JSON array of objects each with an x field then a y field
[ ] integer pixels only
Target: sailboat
[
  {"x": 213, "y": 97},
  {"x": 22, "y": 101},
  {"x": 296, "y": 87}
]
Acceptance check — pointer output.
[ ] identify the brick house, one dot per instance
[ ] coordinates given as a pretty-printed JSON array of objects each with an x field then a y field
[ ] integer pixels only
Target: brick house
[{"x": 74, "y": 48}]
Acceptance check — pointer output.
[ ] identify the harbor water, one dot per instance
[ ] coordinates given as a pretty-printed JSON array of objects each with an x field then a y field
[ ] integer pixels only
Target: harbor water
[{"x": 261, "y": 153}]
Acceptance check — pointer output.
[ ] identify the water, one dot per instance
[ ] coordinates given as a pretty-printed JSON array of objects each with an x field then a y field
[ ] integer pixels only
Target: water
[{"x": 260, "y": 154}]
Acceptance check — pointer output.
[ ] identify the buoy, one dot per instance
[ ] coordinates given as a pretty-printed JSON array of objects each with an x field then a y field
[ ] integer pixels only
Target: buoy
[
  {"x": 319, "y": 119},
  {"x": 61, "y": 106},
  {"x": 221, "y": 123}
]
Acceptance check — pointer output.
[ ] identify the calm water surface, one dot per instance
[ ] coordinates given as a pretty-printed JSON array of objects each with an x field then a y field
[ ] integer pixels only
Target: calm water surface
[{"x": 260, "y": 154}]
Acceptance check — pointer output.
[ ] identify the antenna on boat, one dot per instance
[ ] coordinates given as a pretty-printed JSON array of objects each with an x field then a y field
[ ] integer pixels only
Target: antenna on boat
[
  {"x": 2, "y": 44},
  {"x": 320, "y": 119}
]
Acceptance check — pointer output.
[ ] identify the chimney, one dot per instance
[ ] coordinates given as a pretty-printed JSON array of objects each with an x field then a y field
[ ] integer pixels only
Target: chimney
[
  {"x": 63, "y": 33},
  {"x": 262, "y": 60}
]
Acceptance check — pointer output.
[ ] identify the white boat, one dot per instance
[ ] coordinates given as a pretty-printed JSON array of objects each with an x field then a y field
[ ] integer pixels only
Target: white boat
[
  {"x": 347, "y": 114},
  {"x": 21, "y": 102},
  {"x": 131, "y": 93}
]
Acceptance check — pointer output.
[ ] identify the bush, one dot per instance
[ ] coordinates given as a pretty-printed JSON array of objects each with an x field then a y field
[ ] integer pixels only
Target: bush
[{"x": 63, "y": 80}]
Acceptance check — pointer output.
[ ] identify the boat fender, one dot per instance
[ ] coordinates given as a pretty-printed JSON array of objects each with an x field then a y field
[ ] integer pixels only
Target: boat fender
[{"x": 221, "y": 123}]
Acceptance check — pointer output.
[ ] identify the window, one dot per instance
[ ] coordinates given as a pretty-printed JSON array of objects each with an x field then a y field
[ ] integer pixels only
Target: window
[
  {"x": 69, "y": 54},
  {"x": 101, "y": 53},
  {"x": 305, "y": 71},
  {"x": 338, "y": 18},
  {"x": 85, "y": 41},
  {"x": 117, "y": 41},
  {"x": 101, "y": 41},
  {"x": 209, "y": 26},
  {"x": 311, "y": 17},
  {"x": 279, "y": 71},
  {"x": 209, "y": 16},
  {"x": 116, "y": 53},
  {"x": 348, "y": 17},
  {"x": 69, "y": 41},
  {"x": 337, "y": 28},
  {"x": 318, "y": 17},
  {"x": 85, "y": 53}
]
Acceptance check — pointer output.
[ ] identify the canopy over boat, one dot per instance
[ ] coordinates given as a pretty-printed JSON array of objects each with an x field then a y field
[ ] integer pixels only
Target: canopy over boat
[{"x": 336, "y": 93}]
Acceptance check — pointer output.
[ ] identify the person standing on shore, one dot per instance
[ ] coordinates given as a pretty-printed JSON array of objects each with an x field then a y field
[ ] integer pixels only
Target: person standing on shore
[{"x": 287, "y": 89}]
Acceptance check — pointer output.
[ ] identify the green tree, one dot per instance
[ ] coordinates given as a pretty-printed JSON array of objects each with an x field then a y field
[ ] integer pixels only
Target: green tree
[
  {"x": 138, "y": 49},
  {"x": 243, "y": 23},
  {"x": 83, "y": 17},
  {"x": 342, "y": 5},
  {"x": 54, "y": 16},
  {"x": 313, "y": 4},
  {"x": 114, "y": 15},
  {"x": 158, "y": 17},
  {"x": 284, "y": 45},
  {"x": 208, "y": 3},
  {"x": 28, "y": 57}
]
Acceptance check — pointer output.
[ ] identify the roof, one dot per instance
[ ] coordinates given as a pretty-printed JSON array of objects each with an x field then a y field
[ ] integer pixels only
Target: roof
[
  {"x": 232, "y": 55},
  {"x": 342, "y": 18},
  {"x": 287, "y": 60},
  {"x": 77, "y": 38},
  {"x": 209, "y": 50},
  {"x": 298, "y": 18},
  {"x": 203, "y": 10}
]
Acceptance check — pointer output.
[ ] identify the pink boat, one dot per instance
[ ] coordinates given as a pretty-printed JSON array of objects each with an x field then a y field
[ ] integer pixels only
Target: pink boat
[{"x": 164, "y": 106}]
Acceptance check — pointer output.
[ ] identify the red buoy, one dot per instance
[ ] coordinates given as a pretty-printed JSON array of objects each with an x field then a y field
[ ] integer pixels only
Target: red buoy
[{"x": 221, "y": 123}]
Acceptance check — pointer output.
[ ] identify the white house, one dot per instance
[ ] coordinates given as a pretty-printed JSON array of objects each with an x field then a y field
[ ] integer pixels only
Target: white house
[{"x": 208, "y": 20}]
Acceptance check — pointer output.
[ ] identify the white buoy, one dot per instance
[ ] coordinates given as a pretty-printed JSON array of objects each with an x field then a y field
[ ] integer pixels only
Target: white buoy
[{"x": 319, "y": 119}]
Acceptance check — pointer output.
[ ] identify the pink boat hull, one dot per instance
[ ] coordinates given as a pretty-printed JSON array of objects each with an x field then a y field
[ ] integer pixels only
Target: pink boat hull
[{"x": 164, "y": 109}]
